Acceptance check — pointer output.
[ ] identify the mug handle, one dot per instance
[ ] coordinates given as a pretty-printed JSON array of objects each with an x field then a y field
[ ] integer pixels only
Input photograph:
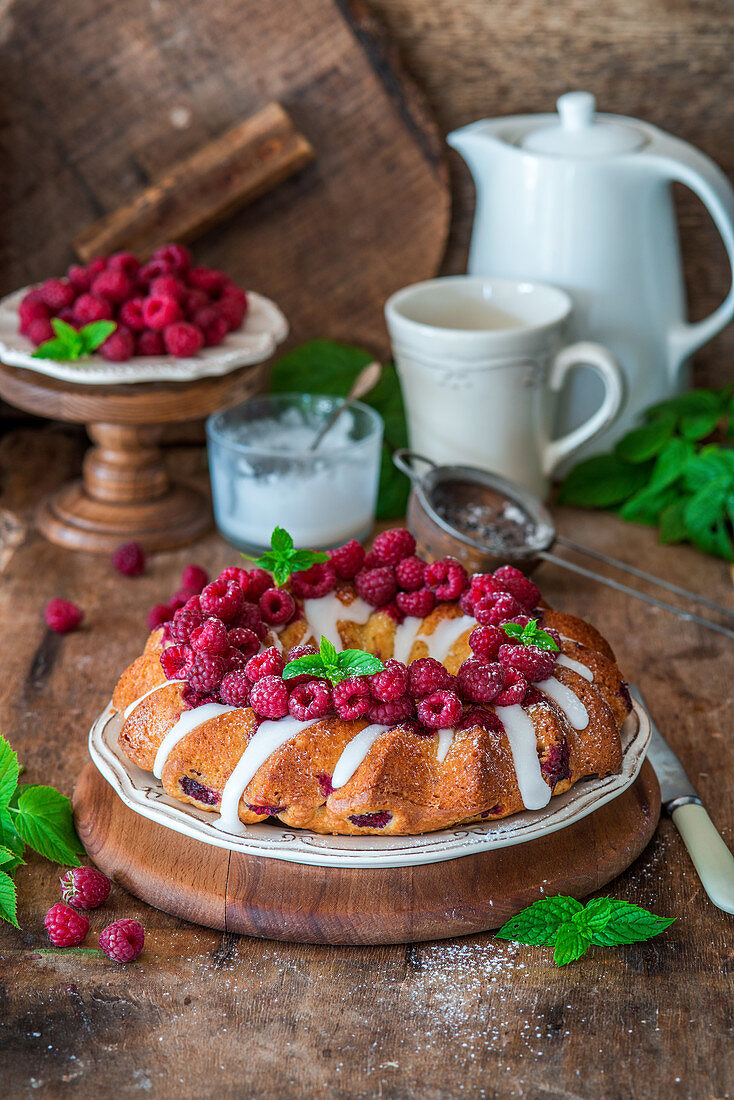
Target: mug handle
[{"x": 603, "y": 362}]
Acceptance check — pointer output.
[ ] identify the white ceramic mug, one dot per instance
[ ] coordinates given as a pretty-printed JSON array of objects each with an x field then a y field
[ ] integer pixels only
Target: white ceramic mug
[{"x": 481, "y": 362}]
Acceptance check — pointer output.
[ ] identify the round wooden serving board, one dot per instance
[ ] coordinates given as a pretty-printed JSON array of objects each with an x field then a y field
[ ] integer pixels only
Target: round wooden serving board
[{"x": 305, "y": 904}]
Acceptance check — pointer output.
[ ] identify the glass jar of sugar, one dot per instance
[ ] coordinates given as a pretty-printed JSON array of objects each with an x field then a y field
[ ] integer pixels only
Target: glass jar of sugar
[{"x": 263, "y": 474}]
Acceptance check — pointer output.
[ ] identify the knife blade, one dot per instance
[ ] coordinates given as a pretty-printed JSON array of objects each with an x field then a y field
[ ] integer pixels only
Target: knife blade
[{"x": 711, "y": 857}]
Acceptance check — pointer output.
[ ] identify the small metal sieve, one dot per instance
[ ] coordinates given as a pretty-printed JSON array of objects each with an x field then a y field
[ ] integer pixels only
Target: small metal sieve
[{"x": 486, "y": 521}]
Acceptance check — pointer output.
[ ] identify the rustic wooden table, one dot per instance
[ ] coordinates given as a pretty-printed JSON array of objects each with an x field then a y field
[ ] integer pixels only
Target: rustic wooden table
[{"x": 205, "y": 1013}]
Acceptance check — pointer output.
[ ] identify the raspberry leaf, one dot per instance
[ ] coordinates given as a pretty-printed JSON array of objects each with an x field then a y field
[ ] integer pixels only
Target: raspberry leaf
[
  {"x": 8, "y": 834},
  {"x": 627, "y": 923},
  {"x": 283, "y": 559},
  {"x": 44, "y": 821},
  {"x": 8, "y": 900},
  {"x": 571, "y": 943},
  {"x": 9, "y": 772},
  {"x": 537, "y": 925}
]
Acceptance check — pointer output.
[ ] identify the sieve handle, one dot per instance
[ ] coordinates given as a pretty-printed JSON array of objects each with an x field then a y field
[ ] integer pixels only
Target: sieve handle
[{"x": 404, "y": 458}]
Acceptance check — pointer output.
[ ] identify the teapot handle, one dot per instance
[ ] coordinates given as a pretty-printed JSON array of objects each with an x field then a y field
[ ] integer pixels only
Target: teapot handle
[{"x": 688, "y": 166}]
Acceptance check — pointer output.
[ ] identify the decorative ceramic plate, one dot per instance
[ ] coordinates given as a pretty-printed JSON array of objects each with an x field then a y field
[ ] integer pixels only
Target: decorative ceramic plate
[
  {"x": 144, "y": 794},
  {"x": 264, "y": 328}
]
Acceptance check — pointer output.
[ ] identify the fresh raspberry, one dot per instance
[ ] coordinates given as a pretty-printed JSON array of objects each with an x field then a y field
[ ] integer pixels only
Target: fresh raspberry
[
  {"x": 194, "y": 577},
  {"x": 347, "y": 559},
  {"x": 223, "y": 599},
  {"x": 417, "y": 604},
  {"x": 96, "y": 266},
  {"x": 184, "y": 596},
  {"x": 40, "y": 331},
  {"x": 89, "y": 308},
  {"x": 152, "y": 270},
  {"x": 113, "y": 285},
  {"x": 65, "y": 927},
  {"x": 176, "y": 661},
  {"x": 297, "y": 651},
  {"x": 160, "y": 312},
  {"x": 485, "y": 641},
  {"x": 28, "y": 312},
  {"x": 167, "y": 286},
  {"x": 231, "y": 290},
  {"x": 129, "y": 559},
  {"x": 250, "y": 618},
  {"x": 211, "y": 637},
  {"x": 313, "y": 583},
  {"x": 352, "y": 698},
  {"x": 123, "y": 940},
  {"x": 371, "y": 560},
  {"x": 391, "y": 683},
  {"x": 392, "y": 546},
  {"x": 269, "y": 697},
  {"x": 277, "y": 606},
  {"x": 392, "y": 713},
  {"x": 206, "y": 278},
  {"x": 478, "y": 716},
  {"x": 61, "y": 616},
  {"x": 85, "y": 887},
  {"x": 234, "y": 690},
  {"x": 441, "y": 710},
  {"x": 149, "y": 343},
  {"x": 159, "y": 614},
  {"x": 56, "y": 294},
  {"x": 182, "y": 339},
  {"x": 212, "y": 325},
  {"x": 174, "y": 256},
  {"x": 392, "y": 610},
  {"x": 245, "y": 640},
  {"x": 376, "y": 586},
  {"x": 67, "y": 314},
  {"x": 235, "y": 660},
  {"x": 310, "y": 700},
  {"x": 253, "y": 582},
  {"x": 511, "y": 580},
  {"x": 185, "y": 621},
  {"x": 194, "y": 300},
  {"x": 493, "y": 610},
  {"x": 126, "y": 262},
  {"x": 514, "y": 690},
  {"x": 232, "y": 312},
  {"x": 410, "y": 573},
  {"x": 427, "y": 675},
  {"x": 483, "y": 584},
  {"x": 119, "y": 345},
  {"x": 480, "y": 681},
  {"x": 131, "y": 314},
  {"x": 268, "y": 663},
  {"x": 532, "y": 661},
  {"x": 33, "y": 295},
  {"x": 206, "y": 672},
  {"x": 80, "y": 278},
  {"x": 466, "y": 603},
  {"x": 447, "y": 577},
  {"x": 193, "y": 699}
]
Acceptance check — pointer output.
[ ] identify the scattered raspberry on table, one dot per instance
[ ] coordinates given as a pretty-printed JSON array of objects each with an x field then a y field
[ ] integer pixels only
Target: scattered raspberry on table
[
  {"x": 123, "y": 940},
  {"x": 85, "y": 887},
  {"x": 65, "y": 927},
  {"x": 62, "y": 616}
]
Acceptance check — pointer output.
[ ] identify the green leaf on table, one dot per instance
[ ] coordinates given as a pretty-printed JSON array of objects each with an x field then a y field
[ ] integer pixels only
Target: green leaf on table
[
  {"x": 671, "y": 462},
  {"x": 673, "y": 527},
  {"x": 327, "y": 367},
  {"x": 602, "y": 481},
  {"x": 8, "y": 900},
  {"x": 537, "y": 925},
  {"x": 9, "y": 772},
  {"x": 646, "y": 442},
  {"x": 9, "y": 837},
  {"x": 595, "y": 915},
  {"x": 646, "y": 504},
  {"x": 628, "y": 923},
  {"x": 44, "y": 821},
  {"x": 571, "y": 943},
  {"x": 699, "y": 425},
  {"x": 692, "y": 403}
]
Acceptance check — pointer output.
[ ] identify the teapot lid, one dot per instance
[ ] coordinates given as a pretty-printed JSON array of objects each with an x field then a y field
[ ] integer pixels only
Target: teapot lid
[{"x": 582, "y": 134}]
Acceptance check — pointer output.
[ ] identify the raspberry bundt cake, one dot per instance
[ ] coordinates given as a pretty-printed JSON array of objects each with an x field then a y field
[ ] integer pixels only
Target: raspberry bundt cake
[{"x": 434, "y": 698}]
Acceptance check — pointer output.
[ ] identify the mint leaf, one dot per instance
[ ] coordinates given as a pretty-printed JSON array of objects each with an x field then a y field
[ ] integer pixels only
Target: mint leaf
[
  {"x": 328, "y": 651},
  {"x": 354, "y": 662},
  {"x": 530, "y": 634},
  {"x": 602, "y": 481},
  {"x": 280, "y": 540},
  {"x": 8, "y": 900},
  {"x": 310, "y": 663},
  {"x": 670, "y": 463},
  {"x": 593, "y": 918},
  {"x": 571, "y": 943},
  {"x": 538, "y": 924},
  {"x": 645, "y": 442},
  {"x": 691, "y": 403},
  {"x": 44, "y": 821},
  {"x": 69, "y": 337},
  {"x": 9, "y": 772},
  {"x": 646, "y": 505},
  {"x": 95, "y": 333},
  {"x": 332, "y": 665},
  {"x": 673, "y": 527},
  {"x": 629, "y": 923},
  {"x": 283, "y": 560},
  {"x": 699, "y": 425},
  {"x": 304, "y": 559},
  {"x": 52, "y": 349}
]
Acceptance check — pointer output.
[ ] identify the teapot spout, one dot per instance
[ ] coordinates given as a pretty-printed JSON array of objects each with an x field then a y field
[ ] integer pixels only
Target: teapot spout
[{"x": 475, "y": 143}]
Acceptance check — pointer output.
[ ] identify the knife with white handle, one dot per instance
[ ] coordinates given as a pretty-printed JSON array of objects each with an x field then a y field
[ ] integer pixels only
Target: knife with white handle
[{"x": 711, "y": 857}]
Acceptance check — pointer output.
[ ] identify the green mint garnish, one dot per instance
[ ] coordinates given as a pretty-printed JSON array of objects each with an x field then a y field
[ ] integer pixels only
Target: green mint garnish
[
  {"x": 283, "y": 559},
  {"x": 571, "y": 928},
  {"x": 530, "y": 634},
  {"x": 33, "y": 815},
  {"x": 332, "y": 665},
  {"x": 73, "y": 344}
]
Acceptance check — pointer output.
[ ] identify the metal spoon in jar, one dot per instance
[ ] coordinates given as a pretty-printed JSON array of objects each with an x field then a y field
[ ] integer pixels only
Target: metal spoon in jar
[{"x": 365, "y": 381}]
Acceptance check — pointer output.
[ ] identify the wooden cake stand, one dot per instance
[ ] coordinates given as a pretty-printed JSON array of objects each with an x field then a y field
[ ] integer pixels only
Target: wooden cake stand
[
  {"x": 125, "y": 492},
  {"x": 305, "y": 904}
]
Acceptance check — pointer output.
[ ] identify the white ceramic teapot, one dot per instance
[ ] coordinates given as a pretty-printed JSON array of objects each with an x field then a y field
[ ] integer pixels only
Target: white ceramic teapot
[{"x": 583, "y": 200}]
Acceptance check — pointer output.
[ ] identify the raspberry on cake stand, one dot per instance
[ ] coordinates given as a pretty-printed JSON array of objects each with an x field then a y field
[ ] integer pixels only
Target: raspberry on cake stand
[{"x": 125, "y": 492}]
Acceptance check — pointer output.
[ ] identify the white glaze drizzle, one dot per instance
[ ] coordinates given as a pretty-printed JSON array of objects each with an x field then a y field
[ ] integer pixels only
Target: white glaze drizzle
[
  {"x": 405, "y": 634},
  {"x": 445, "y": 636},
  {"x": 323, "y": 614},
  {"x": 567, "y": 700},
  {"x": 445, "y": 739},
  {"x": 188, "y": 721},
  {"x": 158, "y": 687},
  {"x": 534, "y": 790},
  {"x": 268, "y": 737},
  {"x": 354, "y": 753},
  {"x": 575, "y": 666}
]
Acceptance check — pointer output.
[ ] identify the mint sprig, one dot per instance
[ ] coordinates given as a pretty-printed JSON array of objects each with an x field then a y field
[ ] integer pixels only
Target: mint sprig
[
  {"x": 283, "y": 559},
  {"x": 332, "y": 665},
  {"x": 71, "y": 343},
  {"x": 571, "y": 928},
  {"x": 530, "y": 634},
  {"x": 32, "y": 815}
]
